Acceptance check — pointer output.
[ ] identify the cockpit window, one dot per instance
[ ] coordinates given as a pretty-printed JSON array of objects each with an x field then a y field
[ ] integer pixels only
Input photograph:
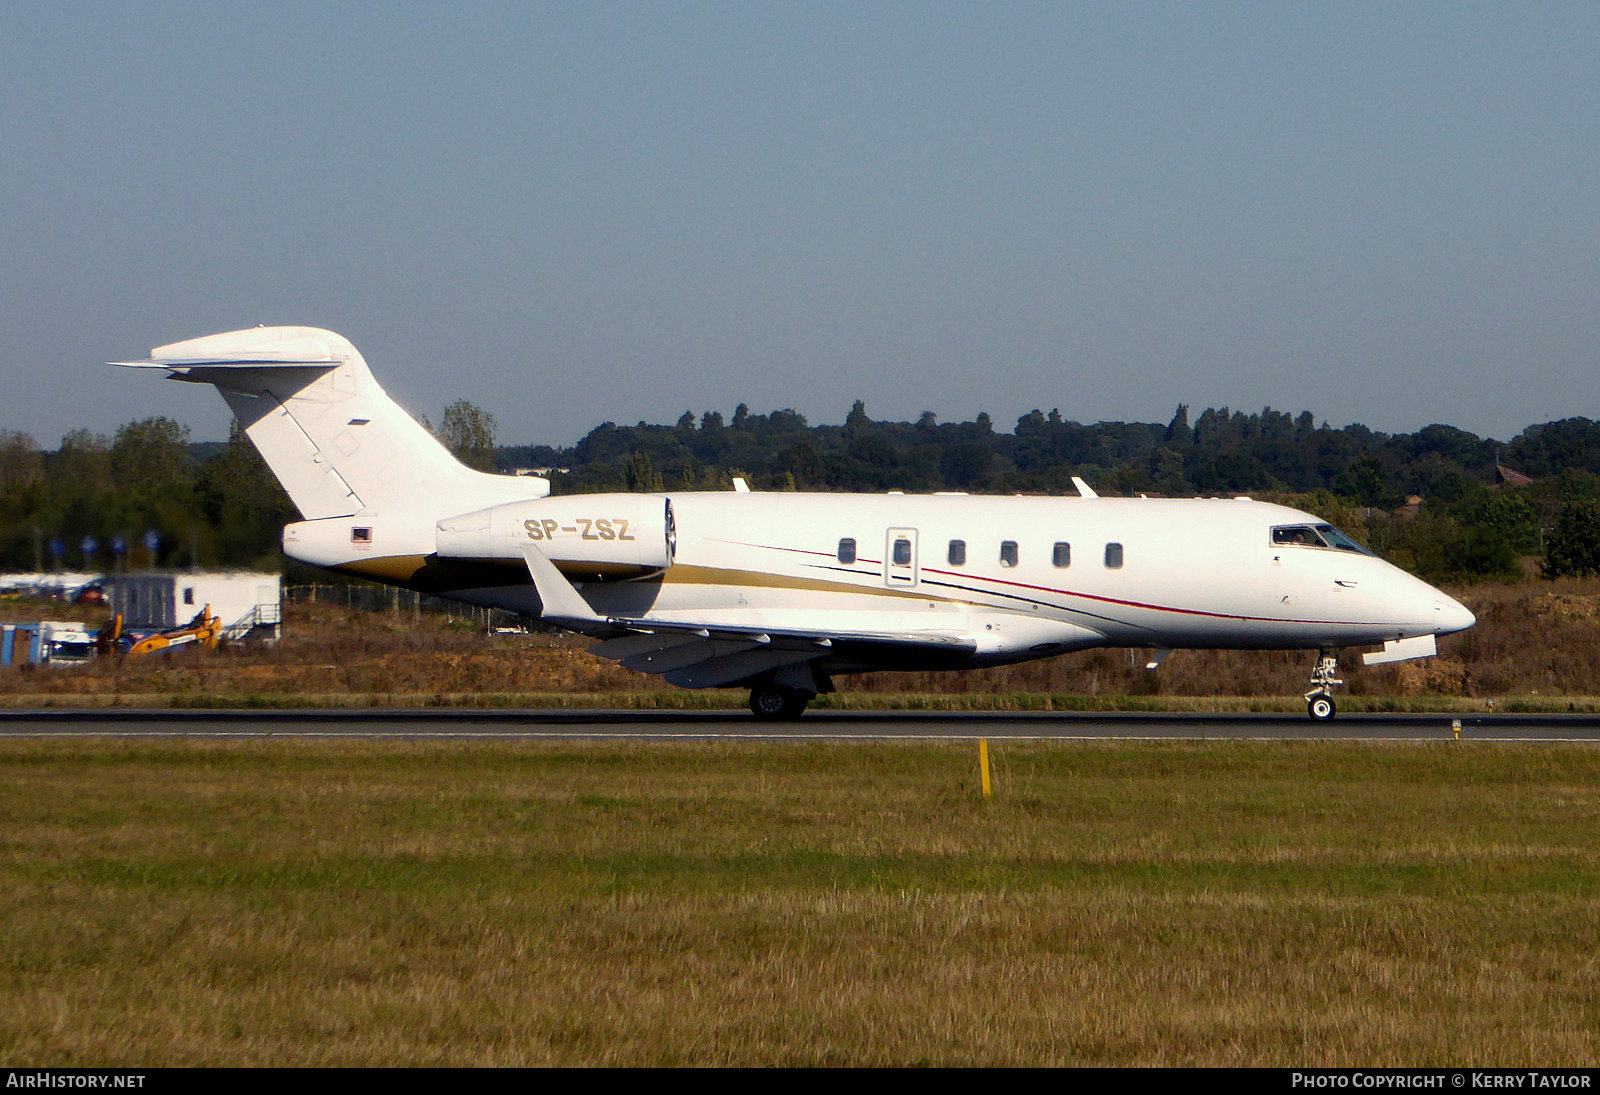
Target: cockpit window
[
  {"x": 1296, "y": 534},
  {"x": 1322, "y": 536},
  {"x": 1336, "y": 539}
]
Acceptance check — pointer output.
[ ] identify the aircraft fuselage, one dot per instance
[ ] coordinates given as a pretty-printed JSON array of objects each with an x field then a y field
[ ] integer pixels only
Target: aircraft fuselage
[{"x": 1025, "y": 577}]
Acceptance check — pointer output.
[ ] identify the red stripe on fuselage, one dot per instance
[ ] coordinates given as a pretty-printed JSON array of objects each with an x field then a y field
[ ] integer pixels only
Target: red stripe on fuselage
[{"x": 1063, "y": 592}]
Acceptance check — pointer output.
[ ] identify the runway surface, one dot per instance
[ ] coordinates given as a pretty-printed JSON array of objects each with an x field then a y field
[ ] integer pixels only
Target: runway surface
[{"x": 555, "y": 723}]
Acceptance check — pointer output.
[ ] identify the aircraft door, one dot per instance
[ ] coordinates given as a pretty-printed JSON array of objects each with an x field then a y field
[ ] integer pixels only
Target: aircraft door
[{"x": 900, "y": 558}]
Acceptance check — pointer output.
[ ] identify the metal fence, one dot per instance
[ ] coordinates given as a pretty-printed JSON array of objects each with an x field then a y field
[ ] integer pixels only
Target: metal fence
[{"x": 400, "y": 602}]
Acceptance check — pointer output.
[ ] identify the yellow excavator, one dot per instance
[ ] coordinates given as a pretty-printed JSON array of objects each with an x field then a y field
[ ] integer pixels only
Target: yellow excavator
[{"x": 204, "y": 629}]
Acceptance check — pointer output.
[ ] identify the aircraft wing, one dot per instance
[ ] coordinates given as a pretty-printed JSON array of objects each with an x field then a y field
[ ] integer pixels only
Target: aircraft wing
[{"x": 705, "y": 656}]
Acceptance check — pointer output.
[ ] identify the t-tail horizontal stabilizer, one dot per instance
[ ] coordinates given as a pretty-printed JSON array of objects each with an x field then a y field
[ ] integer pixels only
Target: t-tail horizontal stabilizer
[{"x": 333, "y": 437}]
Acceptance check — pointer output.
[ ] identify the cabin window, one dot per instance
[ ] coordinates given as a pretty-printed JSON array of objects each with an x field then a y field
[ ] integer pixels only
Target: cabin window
[
  {"x": 188, "y": 595},
  {"x": 902, "y": 553},
  {"x": 1113, "y": 556},
  {"x": 958, "y": 553},
  {"x": 361, "y": 536},
  {"x": 1061, "y": 556},
  {"x": 1008, "y": 553},
  {"x": 847, "y": 550}
]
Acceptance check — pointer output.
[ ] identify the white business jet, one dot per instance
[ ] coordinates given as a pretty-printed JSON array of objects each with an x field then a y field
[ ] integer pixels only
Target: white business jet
[{"x": 780, "y": 592}]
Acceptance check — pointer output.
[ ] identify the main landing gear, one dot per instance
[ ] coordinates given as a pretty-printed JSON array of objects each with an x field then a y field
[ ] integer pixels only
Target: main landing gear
[
  {"x": 1319, "y": 701},
  {"x": 776, "y": 702}
]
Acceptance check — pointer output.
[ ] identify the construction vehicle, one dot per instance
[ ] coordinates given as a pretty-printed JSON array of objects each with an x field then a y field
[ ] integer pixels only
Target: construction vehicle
[{"x": 204, "y": 629}]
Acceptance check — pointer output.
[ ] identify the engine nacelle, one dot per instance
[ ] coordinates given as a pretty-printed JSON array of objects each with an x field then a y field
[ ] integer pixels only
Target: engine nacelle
[{"x": 590, "y": 537}]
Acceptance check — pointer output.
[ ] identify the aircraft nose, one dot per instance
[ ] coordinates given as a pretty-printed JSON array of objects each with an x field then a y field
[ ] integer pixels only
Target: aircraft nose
[{"x": 1450, "y": 615}]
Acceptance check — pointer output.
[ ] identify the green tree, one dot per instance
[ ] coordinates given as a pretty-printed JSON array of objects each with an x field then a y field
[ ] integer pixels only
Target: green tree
[
  {"x": 20, "y": 464},
  {"x": 151, "y": 457},
  {"x": 964, "y": 466},
  {"x": 84, "y": 460},
  {"x": 1573, "y": 546},
  {"x": 1179, "y": 431},
  {"x": 641, "y": 477},
  {"x": 242, "y": 501},
  {"x": 856, "y": 422},
  {"x": 1166, "y": 473},
  {"x": 468, "y": 432},
  {"x": 1512, "y": 515},
  {"x": 1364, "y": 481}
]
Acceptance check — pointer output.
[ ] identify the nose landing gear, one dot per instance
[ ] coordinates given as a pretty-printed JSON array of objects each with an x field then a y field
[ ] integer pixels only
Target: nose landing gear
[{"x": 1319, "y": 701}]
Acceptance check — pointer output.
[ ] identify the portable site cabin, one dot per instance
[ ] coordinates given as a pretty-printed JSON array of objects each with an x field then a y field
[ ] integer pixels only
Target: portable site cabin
[
  {"x": 246, "y": 602},
  {"x": 21, "y": 644}
]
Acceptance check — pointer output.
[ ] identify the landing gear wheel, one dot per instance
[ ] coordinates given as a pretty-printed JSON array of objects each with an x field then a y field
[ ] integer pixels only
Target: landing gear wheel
[
  {"x": 774, "y": 702},
  {"x": 1324, "y": 677}
]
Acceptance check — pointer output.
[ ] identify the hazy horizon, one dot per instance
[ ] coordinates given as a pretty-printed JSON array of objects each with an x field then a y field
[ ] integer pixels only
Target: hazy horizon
[{"x": 570, "y": 214}]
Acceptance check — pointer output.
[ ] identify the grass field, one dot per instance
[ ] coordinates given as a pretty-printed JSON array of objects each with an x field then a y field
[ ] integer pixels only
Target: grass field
[{"x": 349, "y": 903}]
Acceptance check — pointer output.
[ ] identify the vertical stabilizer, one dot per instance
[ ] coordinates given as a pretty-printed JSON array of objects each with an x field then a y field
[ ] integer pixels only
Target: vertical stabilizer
[{"x": 333, "y": 437}]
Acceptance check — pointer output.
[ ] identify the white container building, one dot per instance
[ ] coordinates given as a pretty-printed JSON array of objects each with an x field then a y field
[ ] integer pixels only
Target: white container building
[{"x": 246, "y": 602}]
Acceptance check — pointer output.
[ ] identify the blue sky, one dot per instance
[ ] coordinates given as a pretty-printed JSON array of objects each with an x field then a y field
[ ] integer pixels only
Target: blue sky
[{"x": 568, "y": 213}]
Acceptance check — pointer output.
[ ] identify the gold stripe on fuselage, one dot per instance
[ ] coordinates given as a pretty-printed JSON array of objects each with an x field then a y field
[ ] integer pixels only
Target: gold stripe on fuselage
[
  {"x": 757, "y": 579},
  {"x": 429, "y": 574}
]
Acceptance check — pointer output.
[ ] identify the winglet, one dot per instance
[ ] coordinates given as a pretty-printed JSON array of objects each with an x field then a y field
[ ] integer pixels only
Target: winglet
[
  {"x": 1084, "y": 489},
  {"x": 557, "y": 596}
]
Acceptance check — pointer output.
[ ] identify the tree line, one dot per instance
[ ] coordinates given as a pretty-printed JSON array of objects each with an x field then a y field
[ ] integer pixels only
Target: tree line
[{"x": 1432, "y": 501}]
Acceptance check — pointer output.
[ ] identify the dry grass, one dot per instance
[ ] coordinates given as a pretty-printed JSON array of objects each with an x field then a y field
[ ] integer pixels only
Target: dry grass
[
  {"x": 1537, "y": 646},
  {"x": 328, "y": 650},
  {"x": 521, "y": 903}
]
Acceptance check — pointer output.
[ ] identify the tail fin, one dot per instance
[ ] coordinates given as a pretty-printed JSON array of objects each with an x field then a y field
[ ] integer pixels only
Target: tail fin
[{"x": 338, "y": 444}]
